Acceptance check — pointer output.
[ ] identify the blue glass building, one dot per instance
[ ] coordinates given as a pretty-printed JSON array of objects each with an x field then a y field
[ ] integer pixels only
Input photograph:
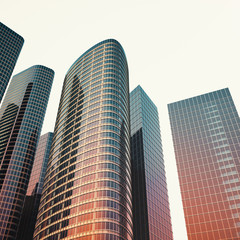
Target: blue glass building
[
  {"x": 21, "y": 117},
  {"x": 10, "y": 46},
  {"x": 87, "y": 187},
  {"x": 151, "y": 214}
]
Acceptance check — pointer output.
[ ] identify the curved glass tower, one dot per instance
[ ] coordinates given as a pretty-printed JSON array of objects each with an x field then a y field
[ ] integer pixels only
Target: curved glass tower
[
  {"x": 21, "y": 117},
  {"x": 87, "y": 188}
]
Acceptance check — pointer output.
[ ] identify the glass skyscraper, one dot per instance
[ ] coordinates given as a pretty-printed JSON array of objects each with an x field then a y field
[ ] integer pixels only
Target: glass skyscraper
[
  {"x": 206, "y": 139},
  {"x": 40, "y": 164},
  {"x": 21, "y": 117},
  {"x": 10, "y": 45},
  {"x": 34, "y": 191},
  {"x": 151, "y": 214},
  {"x": 87, "y": 187}
]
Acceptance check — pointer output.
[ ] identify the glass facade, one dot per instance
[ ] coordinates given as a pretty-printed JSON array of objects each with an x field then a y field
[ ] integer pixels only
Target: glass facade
[
  {"x": 40, "y": 164},
  {"x": 206, "y": 139},
  {"x": 21, "y": 117},
  {"x": 32, "y": 200},
  {"x": 87, "y": 187},
  {"x": 151, "y": 214},
  {"x": 11, "y": 44}
]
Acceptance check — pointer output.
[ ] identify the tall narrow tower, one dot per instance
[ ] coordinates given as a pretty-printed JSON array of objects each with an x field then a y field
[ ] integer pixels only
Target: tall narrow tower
[
  {"x": 10, "y": 46},
  {"x": 151, "y": 214},
  {"x": 87, "y": 188},
  {"x": 21, "y": 118},
  {"x": 206, "y": 140}
]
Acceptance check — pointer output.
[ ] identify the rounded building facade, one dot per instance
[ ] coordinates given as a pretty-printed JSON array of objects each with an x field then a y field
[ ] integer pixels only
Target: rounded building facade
[
  {"x": 87, "y": 187},
  {"x": 21, "y": 117}
]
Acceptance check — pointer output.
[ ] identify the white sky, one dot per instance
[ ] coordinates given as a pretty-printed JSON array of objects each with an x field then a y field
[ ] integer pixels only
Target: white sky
[{"x": 175, "y": 50}]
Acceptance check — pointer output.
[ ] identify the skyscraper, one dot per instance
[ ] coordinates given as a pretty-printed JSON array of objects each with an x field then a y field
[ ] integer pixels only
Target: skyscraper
[
  {"x": 34, "y": 191},
  {"x": 151, "y": 214},
  {"x": 21, "y": 118},
  {"x": 40, "y": 164},
  {"x": 206, "y": 140},
  {"x": 87, "y": 187},
  {"x": 11, "y": 44}
]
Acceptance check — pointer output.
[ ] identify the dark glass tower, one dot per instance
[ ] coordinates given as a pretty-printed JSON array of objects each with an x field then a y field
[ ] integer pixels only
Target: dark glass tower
[
  {"x": 206, "y": 140},
  {"x": 11, "y": 44},
  {"x": 87, "y": 187},
  {"x": 21, "y": 118},
  {"x": 34, "y": 191},
  {"x": 151, "y": 214}
]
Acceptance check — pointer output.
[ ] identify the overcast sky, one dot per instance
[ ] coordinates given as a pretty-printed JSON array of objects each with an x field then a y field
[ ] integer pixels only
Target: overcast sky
[{"x": 175, "y": 50}]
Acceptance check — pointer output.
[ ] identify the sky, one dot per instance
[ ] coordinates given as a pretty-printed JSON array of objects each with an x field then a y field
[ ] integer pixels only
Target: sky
[{"x": 175, "y": 50}]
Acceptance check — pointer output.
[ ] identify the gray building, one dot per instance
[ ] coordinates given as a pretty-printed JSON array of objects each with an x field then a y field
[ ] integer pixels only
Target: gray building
[
  {"x": 21, "y": 117},
  {"x": 87, "y": 187},
  {"x": 10, "y": 46},
  {"x": 206, "y": 139},
  {"x": 151, "y": 214}
]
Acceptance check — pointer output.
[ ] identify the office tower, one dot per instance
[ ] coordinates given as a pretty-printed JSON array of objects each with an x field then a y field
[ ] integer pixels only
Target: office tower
[
  {"x": 11, "y": 44},
  {"x": 151, "y": 214},
  {"x": 206, "y": 138},
  {"x": 34, "y": 191},
  {"x": 21, "y": 117},
  {"x": 87, "y": 187},
  {"x": 40, "y": 164}
]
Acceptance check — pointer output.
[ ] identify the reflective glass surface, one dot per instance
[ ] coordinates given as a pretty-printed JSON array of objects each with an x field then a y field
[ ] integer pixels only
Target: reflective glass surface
[
  {"x": 11, "y": 44},
  {"x": 206, "y": 140},
  {"x": 151, "y": 215},
  {"x": 21, "y": 117},
  {"x": 87, "y": 188},
  {"x": 34, "y": 190},
  {"x": 40, "y": 164}
]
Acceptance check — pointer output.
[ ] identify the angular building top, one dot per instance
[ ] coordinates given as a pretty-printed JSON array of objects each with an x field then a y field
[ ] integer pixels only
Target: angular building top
[
  {"x": 87, "y": 187},
  {"x": 204, "y": 99},
  {"x": 206, "y": 139},
  {"x": 11, "y": 44},
  {"x": 151, "y": 214}
]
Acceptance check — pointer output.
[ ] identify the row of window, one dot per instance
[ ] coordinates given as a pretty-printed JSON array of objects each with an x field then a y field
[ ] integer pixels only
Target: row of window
[
  {"x": 124, "y": 207},
  {"x": 93, "y": 118},
  {"x": 93, "y": 95}
]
